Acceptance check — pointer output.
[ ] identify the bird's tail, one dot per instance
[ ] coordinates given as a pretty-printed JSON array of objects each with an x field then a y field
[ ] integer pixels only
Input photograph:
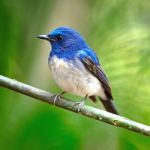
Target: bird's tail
[{"x": 109, "y": 106}]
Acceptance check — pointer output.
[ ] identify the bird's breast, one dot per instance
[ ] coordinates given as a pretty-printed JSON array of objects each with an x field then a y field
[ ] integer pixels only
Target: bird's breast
[{"x": 72, "y": 77}]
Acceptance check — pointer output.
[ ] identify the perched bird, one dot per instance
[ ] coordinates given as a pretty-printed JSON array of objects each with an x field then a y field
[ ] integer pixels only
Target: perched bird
[{"x": 76, "y": 68}]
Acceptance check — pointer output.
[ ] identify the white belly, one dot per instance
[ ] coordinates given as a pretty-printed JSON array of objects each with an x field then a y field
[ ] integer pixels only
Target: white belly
[{"x": 74, "y": 80}]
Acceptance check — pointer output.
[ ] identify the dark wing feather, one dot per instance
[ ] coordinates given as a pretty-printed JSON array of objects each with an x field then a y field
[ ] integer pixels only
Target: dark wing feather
[{"x": 98, "y": 72}]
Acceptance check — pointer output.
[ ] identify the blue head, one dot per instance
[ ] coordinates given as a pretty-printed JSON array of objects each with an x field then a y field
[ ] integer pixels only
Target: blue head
[{"x": 64, "y": 40}]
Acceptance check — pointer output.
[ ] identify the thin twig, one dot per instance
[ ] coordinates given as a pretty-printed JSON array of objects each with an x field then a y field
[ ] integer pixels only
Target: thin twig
[{"x": 88, "y": 111}]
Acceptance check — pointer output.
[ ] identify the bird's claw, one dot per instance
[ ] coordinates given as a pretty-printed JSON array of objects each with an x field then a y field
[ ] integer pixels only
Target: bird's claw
[
  {"x": 57, "y": 97},
  {"x": 80, "y": 105}
]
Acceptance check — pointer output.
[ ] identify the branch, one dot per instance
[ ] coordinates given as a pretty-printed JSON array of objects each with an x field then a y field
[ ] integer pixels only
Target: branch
[{"x": 88, "y": 111}]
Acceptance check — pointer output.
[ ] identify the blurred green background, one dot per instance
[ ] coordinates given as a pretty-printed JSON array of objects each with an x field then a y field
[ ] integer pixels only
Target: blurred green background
[{"x": 118, "y": 30}]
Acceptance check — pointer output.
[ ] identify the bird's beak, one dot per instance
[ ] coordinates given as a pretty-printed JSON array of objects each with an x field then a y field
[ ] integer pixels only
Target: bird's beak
[{"x": 44, "y": 37}]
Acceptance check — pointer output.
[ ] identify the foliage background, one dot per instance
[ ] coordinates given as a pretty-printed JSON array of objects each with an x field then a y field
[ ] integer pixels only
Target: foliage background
[{"x": 119, "y": 32}]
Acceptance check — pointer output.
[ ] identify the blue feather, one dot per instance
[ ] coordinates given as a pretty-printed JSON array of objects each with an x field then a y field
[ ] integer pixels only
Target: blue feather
[
  {"x": 88, "y": 53},
  {"x": 71, "y": 46}
]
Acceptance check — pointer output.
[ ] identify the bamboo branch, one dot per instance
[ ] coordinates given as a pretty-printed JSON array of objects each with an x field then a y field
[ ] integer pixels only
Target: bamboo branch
[{"x": 88, "y": 111}]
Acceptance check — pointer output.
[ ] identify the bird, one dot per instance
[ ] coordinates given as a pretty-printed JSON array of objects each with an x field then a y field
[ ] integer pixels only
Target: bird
[{"x": 76, "y": 68}]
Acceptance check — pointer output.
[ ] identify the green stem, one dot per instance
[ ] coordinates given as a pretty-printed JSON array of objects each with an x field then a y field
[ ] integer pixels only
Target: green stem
[{"x": 88, "y": 111}]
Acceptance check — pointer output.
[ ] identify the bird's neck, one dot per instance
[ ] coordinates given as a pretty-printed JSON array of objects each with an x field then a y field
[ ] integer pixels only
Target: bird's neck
[
  {"x": 69, "y": 52},
  {"x": 63, "y": 54}
]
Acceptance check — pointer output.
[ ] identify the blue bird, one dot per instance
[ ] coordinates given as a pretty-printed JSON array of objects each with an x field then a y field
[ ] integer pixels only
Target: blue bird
[{"x": 76, "y": 68}]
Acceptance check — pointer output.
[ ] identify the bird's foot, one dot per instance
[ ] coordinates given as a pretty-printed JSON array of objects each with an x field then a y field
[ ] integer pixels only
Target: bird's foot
[
  {"x": 57, "y": 96},
  {"x": 80, "y": 105}
]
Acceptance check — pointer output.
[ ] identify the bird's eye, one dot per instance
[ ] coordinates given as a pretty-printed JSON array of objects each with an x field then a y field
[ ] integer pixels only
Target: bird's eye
[{"x": 59, "y": 37}]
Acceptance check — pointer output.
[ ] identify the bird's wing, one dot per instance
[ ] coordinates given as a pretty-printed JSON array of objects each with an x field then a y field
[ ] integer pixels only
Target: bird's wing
[{"x": 95, "y": 68}]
